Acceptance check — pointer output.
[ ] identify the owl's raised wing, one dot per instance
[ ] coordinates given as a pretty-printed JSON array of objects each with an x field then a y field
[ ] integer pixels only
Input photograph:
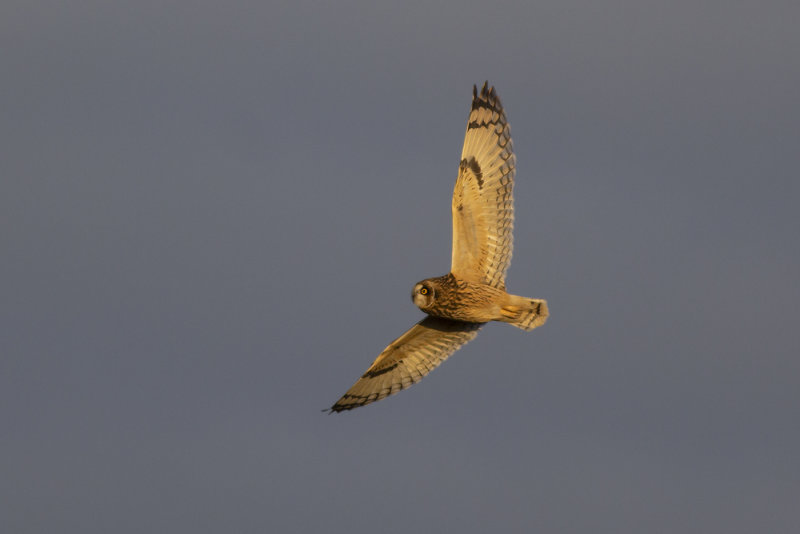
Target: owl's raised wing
[
  {"x": 407, "y": 359},
  {"x": 483, "y": 203}
]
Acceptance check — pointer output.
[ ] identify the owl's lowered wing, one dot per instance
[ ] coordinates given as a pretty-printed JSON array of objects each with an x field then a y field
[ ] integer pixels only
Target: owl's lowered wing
[
  {"x": 407, "y": 359},
  {"x": 483, "y": 203}
]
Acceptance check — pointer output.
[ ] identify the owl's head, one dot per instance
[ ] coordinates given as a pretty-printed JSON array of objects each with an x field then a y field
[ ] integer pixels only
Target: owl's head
[{"x": 424, "y": 294}]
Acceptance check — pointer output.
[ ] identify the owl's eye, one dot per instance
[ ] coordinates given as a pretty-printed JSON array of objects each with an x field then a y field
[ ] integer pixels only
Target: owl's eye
[{"x": 423, "y": 291}]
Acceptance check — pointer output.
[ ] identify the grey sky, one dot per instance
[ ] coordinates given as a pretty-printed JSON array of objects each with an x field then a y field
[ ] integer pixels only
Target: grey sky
[{"x": 212, "y": 215}]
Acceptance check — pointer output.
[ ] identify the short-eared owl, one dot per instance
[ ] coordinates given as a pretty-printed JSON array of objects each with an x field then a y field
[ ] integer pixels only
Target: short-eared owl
[{"x": 473, "y": 293}]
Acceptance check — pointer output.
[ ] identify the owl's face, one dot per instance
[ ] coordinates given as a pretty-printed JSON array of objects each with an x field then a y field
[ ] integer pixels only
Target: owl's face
[{"x": 424, "y": 294}]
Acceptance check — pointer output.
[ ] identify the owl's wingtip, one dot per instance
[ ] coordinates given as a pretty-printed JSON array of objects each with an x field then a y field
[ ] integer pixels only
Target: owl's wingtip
[
  {"x": 338, "y": 408},
  {"x": 487, "y": 95}
]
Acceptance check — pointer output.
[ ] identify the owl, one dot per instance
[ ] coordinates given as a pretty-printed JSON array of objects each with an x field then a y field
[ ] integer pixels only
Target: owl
[{"x": 473, "y": 293}]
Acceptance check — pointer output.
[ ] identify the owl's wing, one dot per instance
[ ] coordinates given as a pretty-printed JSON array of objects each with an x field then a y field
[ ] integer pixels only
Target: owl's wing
[
  {"x": 483, "y": 205},
  {"x": 407, "y": 359}
]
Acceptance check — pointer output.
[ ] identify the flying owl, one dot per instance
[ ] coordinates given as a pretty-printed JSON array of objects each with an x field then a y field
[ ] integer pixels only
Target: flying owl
[{"x": 473, "y": 293}]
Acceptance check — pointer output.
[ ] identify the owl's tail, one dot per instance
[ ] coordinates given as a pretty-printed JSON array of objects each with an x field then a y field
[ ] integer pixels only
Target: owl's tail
[{"x": 524, "y": 313}]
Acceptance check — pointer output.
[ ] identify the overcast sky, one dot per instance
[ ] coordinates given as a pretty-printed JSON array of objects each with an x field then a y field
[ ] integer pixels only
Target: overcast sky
[{"x": 212, "y": 215}]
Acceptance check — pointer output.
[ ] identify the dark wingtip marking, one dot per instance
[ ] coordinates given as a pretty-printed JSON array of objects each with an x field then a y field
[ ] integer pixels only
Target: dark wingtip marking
[{"x": 487, "y": 98}]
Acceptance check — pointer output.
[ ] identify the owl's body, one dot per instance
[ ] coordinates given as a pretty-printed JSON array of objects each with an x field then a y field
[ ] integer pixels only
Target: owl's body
[
  {"x": 473, "y": 293},
  {"x": 451, "y": 298}
]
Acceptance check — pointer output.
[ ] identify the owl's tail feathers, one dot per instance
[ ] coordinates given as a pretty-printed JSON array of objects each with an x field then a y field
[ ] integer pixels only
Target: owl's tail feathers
[{"x": 525, "y": 313}]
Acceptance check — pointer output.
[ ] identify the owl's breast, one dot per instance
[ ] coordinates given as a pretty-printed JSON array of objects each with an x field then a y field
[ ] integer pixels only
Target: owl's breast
[{"x": 466, "y": 301}]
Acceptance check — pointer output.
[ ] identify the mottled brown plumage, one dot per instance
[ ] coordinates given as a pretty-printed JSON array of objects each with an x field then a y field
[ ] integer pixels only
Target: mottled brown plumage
[
  {"x": 451, "y": 298},
  {"x": 473, "y": 293}
]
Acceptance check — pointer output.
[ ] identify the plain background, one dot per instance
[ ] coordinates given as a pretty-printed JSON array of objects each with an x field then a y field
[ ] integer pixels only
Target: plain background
[{"x": 212, "y": 215}]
